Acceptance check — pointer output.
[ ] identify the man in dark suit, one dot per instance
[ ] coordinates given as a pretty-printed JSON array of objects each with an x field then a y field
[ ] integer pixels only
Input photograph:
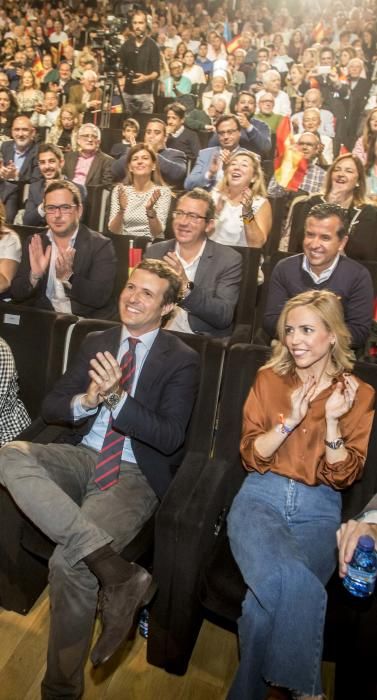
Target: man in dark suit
[
  {"x": 210, "y": 272},
  {"x": 50, "y": 162},
  {"x": 172, "y": 162},
  {"x": 88, "y": 166},
  {"x": 61, "y": 487},
  {"x": 255, "y": 134},
  {"x": 18, "y": 165},
  {"x": 70, "y": 268},
  {"x": 358, "y": 95}
]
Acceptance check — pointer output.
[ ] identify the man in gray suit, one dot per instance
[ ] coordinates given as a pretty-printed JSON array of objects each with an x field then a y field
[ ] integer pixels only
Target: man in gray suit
[{"x": 210, "y": 272}]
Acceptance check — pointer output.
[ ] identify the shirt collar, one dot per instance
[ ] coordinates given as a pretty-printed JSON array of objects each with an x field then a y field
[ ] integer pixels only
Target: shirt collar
[
  {"x": 72, "y": 241},
  {"x": 147, "y": 339},
  {"x": 197, "y": 256},
  {"x": 324, "y": 275}
]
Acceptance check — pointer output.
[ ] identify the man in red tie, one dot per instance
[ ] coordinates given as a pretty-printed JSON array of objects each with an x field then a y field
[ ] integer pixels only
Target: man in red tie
[{"x": 129, "y": 396}]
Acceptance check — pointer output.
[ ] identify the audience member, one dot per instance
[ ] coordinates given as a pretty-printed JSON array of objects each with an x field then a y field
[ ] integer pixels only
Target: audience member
[
  {"x": 210, "y": 273},
  {"x": 313, "y": 99},
  {"x": 140, "y": 206},
  {"x": 361, "y": 146},
  {"x": 218, "y": 89},
  {"x": 303, "y": 175},
  {"x": 272, "y": 83},
  {"x": 88, "y": 166},
  {"x": 64, "y": 133},
  {"x": 345, "y": 185},
  {"x": 179, "y": 136},
  {"x": 86, "y": 96},
  {"x": 46, "y": 113},
  {"x": 50, "y": 163},
  {"x": 10, "y": 253},
  {"x": 14, "y": 417},
  {"x": 8, "y": 111},
  {"x": 176, "y": 84},
  {"x": 208, "y": 169},
  {"x": 28, "y": 94},
  {"x": 152, "y": 411},
  {"x": 322, "y": 265},
  {"x": 255, "y": 135},
  {"x": 130, "y": 132},
  {"x": 243, "y": 213},
  {"x": 266, "y": 110},
  {"x": 18, "y": 166},
  {"x": 172, "y": 162},
  {"x": 70, "y": 269}
]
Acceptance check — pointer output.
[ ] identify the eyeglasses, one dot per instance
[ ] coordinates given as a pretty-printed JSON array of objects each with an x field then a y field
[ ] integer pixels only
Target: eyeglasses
[
  {"x": 179, "y": 214},
  {"x": 88, "y": 136},
  {"x": 227, "y": 133},
  {"x": 59, "y": 208}
]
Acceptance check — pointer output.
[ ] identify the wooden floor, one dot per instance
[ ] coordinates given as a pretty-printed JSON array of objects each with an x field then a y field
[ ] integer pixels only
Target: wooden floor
[{"x": 23, "y": 643}]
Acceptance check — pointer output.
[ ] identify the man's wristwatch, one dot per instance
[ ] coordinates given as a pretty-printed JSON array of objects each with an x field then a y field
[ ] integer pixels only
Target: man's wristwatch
[
  {"x": 335, "y": 444},
  {"x": 187, "y": 289},
  {"x": 112, "y": 400}
]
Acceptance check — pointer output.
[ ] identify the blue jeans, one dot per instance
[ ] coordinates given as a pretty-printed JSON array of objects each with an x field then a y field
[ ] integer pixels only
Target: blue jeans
[{"x": 283, "y": 537}]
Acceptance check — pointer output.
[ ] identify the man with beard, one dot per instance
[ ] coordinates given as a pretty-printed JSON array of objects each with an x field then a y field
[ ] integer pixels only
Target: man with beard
[
  {"x": 51, "y": 162},
  {"x": 140, "y": 59},
  {"x": 255, "y": 135}
]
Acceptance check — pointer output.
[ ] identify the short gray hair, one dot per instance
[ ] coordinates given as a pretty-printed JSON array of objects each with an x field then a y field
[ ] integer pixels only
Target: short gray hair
[{"x": 92, "y": 127}]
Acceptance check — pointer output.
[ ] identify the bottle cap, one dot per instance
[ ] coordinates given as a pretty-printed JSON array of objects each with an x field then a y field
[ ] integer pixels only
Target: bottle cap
[{"x": 366, "y": 542}]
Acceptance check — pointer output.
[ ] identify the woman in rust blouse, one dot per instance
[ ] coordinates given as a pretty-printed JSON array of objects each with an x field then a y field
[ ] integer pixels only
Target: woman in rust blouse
[{"x": 306, "y": 427}]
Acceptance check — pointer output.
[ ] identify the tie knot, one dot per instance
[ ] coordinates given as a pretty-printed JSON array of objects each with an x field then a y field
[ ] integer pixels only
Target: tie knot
[{"x": 132, "y": 342}]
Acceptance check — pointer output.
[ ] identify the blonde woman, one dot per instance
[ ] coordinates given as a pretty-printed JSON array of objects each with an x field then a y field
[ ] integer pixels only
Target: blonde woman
[
  {"x": 306, "y": 426},
  {"x": 243, "y": 212},
  {"x": 64, "y": 132}
]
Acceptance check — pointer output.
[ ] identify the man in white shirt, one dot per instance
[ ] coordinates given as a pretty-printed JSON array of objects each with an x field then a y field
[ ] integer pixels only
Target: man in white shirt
[
  {"x": 70, "y": 268},
  {"x": 210, "y": 272}
]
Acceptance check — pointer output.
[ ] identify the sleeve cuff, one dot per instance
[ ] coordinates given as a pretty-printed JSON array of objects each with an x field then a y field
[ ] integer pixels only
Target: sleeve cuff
[{"x": 370, "y": 516}]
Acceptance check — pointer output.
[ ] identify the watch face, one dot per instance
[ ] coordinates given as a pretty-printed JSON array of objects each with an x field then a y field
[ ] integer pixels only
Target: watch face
[{"x": 112, "y": 400}]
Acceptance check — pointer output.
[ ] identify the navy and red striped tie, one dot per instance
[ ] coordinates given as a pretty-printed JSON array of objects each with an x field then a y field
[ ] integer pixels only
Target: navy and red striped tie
[{"x": 107, "y": 469}]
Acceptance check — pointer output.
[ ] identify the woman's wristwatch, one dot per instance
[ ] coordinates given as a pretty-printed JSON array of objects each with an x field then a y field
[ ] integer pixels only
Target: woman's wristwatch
[
  {"x": 151, "y": 214},
  {"x": 335, "y": 444}
]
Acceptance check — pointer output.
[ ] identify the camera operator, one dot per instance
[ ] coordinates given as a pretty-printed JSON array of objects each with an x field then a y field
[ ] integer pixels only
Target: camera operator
[{"x": 140, "y": 61}]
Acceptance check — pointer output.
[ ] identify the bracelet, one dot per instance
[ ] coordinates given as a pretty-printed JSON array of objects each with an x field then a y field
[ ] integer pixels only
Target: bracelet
[
  {"x": 151, "y": 216},
  {"x": 35, "y": 277},
  {"x": 283, "y": 429},
  {"x": 249, "y": 217}
]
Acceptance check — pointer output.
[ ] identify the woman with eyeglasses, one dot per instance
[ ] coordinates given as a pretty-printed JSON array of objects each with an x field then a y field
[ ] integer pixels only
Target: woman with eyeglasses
[
  {"x": 243, "y": 212},
  {"x": 306, "y": 427},
  {"x": 140, "y": 205}
]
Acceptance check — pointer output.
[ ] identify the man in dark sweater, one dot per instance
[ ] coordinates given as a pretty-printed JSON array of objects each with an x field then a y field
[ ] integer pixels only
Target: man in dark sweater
[{"x": 323, "y": 265}]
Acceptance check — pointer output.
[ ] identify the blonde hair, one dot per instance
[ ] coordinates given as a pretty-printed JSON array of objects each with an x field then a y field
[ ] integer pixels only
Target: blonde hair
[
  {"x": 258, "y": 187},
  {"x": 327, "y": 306}
]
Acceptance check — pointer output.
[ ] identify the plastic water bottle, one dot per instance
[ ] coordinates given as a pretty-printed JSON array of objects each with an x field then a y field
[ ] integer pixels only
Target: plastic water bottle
[
  {"x": 144, "y": 622},
  {"x": 362, "y": 569}
]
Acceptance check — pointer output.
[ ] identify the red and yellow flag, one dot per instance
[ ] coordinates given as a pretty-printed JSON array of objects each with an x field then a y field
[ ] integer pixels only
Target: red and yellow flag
[{"x": 290, "y": 165}]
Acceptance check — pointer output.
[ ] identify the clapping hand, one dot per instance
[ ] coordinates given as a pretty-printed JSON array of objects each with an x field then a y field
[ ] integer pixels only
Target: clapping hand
[
  {"x": 342, "y": 398},
  {"x": 64, "y": 264},
  {"x": 300, "y": 400},
  {"x": 105, "y": 375},
  {"x": 39, "y": 258},
  {"x": 152, "y": 200}
]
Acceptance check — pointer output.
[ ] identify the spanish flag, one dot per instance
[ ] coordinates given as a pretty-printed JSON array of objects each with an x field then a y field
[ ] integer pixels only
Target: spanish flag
[
  {"x": 290, "y": 165},
  {"x": 318, "y": 32},
  {"x": 38, "y": 67},
  {"x": 233, "y": 44}
]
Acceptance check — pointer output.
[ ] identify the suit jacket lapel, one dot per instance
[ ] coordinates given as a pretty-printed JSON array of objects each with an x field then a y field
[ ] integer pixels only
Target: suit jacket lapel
[
  {"x": 153, "y": 367},
  {"x": 204, "y": 263}
]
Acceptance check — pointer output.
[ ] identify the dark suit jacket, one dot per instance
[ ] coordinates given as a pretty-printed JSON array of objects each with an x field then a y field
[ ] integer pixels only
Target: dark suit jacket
[
  {"x": 356, "y": 104},
  {"x": 257, "y": 140},
  {"x": 94, "y": 269},
  {"x": 212, "y": 302},
  {"x": 32, "y": 216},
  {"x": 99, "y": 172},
  {"x": 155, "y": 418},
  {"x": 10, "y": 190}
]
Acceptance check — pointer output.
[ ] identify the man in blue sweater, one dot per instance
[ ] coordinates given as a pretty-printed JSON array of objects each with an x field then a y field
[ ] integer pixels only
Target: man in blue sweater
[{"x": 323, "y": 265}]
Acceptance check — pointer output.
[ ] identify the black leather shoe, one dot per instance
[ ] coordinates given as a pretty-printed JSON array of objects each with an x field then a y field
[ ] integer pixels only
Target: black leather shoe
[{"x": 120, "y": 603}]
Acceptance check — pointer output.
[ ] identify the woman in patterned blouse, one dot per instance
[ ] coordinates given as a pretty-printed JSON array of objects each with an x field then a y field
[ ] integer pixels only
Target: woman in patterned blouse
[
  {"x": 13, "y": 414},
  {"x": 140, "y": 205}
]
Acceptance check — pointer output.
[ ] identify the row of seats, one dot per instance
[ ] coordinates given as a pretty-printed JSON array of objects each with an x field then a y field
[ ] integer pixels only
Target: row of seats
[{"x": 192, "y": 563}]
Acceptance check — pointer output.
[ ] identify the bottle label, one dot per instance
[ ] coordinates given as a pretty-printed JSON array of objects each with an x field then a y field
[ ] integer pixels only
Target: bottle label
[{"x": 356, "y": 574}]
